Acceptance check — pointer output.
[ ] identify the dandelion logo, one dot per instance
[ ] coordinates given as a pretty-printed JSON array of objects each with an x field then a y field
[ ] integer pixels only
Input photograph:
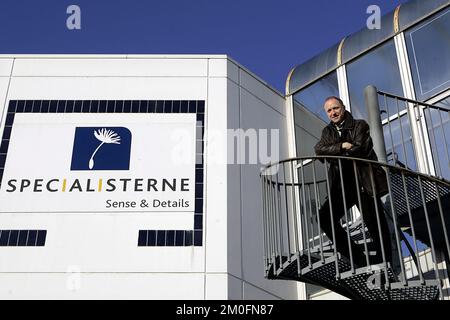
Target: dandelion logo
[
  {"x": 105, "y": 136},
  {"x": 101, "y": 148}
]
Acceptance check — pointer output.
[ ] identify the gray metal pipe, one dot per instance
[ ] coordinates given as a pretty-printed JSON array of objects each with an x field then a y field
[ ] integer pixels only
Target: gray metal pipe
[{"x": 376, "y": 128}]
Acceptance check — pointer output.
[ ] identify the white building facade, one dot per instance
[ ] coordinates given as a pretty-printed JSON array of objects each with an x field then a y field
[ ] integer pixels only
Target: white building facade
[{"x": 121, "y": 177}]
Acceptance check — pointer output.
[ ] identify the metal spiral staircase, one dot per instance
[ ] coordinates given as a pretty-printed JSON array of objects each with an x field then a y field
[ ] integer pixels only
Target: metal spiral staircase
[{"x": 416, "y": 208}]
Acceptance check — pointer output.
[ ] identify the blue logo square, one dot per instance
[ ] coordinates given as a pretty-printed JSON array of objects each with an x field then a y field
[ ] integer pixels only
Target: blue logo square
[{"x": 101, "y": 148}]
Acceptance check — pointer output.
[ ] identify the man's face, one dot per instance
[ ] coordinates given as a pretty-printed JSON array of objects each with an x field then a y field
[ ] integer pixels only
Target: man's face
[{"x": 335, "y": 111}]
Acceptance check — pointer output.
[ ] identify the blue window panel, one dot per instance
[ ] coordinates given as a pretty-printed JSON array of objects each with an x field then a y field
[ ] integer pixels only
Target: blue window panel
[
  {"x": 70, "y": 106},
  {"x": 23, "y": 235},
  {"x": 2, "y": 159},
  {"x": 32, "y": 235},
  {"x": 201, "y": 106},
  {"x": 119, "y": 106},
  {"x": 176, "y": 106},
  {"x": 198, "y": 190},
  {"x": 7, "y": 132},
  {"x": 198, "y": 206},
  {"x": 44, "y": 106},
  {"x": 53, "y": 106},
  {"x": 179, "y": 238},
  {"x": 37, "y": 106},
  {"x": 198, "y": 241},
  {"x": 94, "y": 106},
  {"x": 168, "y": 106},
  {"x": 142, "y": 239},
  {"x": 151, "y": 239},
  {"x": 198, "y": 222},
  {"x": 192, "y": 106},
  {"x": 42, "y": 235},
  {"x": 61, "y": 106},
  {"x": 12, "y": 106},
  {"x": 199, "y": 175},
  {"x": 28, "y": 106},
  {"x": 200, "y": 117},
  {"x": 184, "y": 106},
  {"x": 161, "y": 238},
  {"x": 143, "y": 108},
  {"x": 159, "y": 106},
  {"x": 20, "y": 107},
  {"x": 4, "y": 146},
  {"x": 170, "y": 238},
  {"x": 188, "y": 238},
  {"x": 78, "y": 105},
  {"x": 152, "y": 106},
  {"x": 9, "y": 119},
  {"x": 85, "y": 106},
  {"x": 111, "y": 105},
  {"x": 127, "y": 106},
  {"x": 135, "y": 106},
  {"x": 4, "y": 236},
  {"x": 13, "y": 238},
  {"x": 102, "y": 106}
]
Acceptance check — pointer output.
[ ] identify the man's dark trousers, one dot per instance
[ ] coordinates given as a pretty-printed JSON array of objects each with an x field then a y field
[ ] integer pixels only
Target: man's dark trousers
[{"x": 369, "y": 215}]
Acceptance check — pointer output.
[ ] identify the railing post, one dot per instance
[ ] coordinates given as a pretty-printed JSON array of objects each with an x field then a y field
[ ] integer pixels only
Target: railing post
[{"x": 376, "y": 127}]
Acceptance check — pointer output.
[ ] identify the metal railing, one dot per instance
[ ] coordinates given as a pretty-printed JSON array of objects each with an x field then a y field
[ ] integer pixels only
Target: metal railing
[
  {"x": 307, "y": 224},
  {"x": 417, "y": 133}
]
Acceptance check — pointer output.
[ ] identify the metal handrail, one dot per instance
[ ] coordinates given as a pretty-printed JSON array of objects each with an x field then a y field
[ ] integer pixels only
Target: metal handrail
[
  {"x": 390, "y": 95},
  {"x": 387, "y": 165},
  {"x": 298, "y": 229},
  {"x": 427, "y": 134}
]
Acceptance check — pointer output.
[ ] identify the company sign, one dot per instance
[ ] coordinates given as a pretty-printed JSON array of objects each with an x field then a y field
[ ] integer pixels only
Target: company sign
[{"x": 100, "y": 163}]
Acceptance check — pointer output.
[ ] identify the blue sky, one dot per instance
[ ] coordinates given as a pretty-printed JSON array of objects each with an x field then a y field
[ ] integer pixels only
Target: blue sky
[{"x": 268, "y": 37}]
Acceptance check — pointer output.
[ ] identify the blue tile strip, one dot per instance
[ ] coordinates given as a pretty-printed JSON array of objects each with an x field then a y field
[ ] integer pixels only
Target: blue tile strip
[
  {"x": 146, "y": 238},
  {"x": 22, "y": 238}
]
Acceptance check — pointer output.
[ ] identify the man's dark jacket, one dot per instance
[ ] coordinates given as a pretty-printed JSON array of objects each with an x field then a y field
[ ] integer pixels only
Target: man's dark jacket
[{"x": 357, "y": 133}]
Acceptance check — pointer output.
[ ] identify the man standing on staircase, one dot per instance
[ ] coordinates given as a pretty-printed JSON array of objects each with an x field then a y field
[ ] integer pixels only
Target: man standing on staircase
[{"x": 348, "y": 137}]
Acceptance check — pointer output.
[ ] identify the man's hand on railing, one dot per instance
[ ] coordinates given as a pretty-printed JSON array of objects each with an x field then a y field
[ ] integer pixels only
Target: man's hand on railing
[{"x": 346, "y": 145}]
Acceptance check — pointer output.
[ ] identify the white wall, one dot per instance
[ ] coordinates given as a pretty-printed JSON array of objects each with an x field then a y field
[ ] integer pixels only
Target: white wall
[
  {"x": 252, "y": 105},
  {"x": 100, "y": 251},
  {"x": 96, "y": 256}
]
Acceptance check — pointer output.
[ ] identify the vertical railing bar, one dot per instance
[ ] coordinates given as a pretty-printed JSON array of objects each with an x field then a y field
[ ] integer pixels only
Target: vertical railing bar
[
  {"x": 434, "y": 145},
  {"x": 401, "y": 132},
  {"x": 441, "y": 214},
  {"x": 317, "y": 196},
  {"x": 263, "y": 196},
  {"x": 280, "y": 223},
  {"x": 311, "y": 216},
  {"x": 272, "y": 224},
  {"x": 306, "y": 214},
  {"x": 363, "y": 225},
  {"x": 389, "y": 126},
  {"x": 350, "y": 251},
  {"x": 445, "y": 138},
  {"x": 294, "y": 210},
  {"x": 287, "y": 213},
  {"x": 427, "y": 220},
  {"x": 377, "y": 213},
  {"x": 268, "y": 229},
  {"x": 397, "y": 237},
  {"x": 416, "y": 110},
  {"x": 332, "y": 221},
  {"x": 408, "y": 207}
]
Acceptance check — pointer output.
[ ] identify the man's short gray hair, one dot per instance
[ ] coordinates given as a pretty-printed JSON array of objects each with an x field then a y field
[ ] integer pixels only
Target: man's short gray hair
[{"x": 334, "y": 98}]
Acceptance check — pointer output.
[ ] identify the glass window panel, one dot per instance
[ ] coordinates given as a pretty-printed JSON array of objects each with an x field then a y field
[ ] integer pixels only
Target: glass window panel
[
  {"x": 438, "y": 124},
  {"x": 314, "y": 95},
  {"x": 429, "y": 51},
  {"x": 398, "y": 139},
  {"x": 380, "y": 68}
]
